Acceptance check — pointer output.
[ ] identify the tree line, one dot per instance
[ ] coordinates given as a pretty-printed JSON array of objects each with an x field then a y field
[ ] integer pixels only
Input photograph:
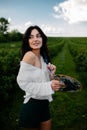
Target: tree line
[{"x": 6, "y": 36}]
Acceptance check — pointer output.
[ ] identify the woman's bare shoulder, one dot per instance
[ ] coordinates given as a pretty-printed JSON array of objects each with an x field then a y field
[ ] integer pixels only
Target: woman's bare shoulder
[{"x": 29, "y": 58}]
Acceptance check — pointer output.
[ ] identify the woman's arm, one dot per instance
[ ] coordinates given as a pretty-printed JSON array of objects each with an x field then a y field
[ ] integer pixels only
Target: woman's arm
[{"x": 33, "y": 88}]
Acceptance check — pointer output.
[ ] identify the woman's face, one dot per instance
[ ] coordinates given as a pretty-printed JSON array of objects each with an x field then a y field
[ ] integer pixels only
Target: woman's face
[{"x": 35, "y": 39}]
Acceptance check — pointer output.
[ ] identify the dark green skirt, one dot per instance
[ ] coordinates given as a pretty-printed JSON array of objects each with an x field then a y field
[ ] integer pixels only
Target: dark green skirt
[{"x": 34, "y": 112}]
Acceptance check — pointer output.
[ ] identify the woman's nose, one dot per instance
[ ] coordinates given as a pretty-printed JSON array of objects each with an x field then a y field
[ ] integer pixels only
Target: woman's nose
[{"x": 35, "y": 38}]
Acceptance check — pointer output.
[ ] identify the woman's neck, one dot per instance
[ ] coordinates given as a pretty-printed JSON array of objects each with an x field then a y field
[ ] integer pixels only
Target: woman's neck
[{"x": 36, "y": 52}]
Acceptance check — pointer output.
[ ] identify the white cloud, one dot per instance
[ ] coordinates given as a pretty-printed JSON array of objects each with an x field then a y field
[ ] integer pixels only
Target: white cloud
[
  {"x": 52, "y": 30},
  {"x": 49, "y": 30},
  {"x": 20, "y": 27},
  {"x": 56, "y": 9},
  {"x": 73, "y": 11},
  {"x": 28, "y": 23},
  {"x": 9, "y": 19}
]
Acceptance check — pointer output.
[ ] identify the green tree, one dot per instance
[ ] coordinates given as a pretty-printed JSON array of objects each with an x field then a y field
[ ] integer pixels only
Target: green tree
[
  {"x": 3, "y": 25},
  {"x": 15, "y": 35}
]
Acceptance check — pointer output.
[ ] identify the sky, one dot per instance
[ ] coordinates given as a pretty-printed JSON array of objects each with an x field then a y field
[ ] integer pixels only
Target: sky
[{"x": 67, "y": 18}]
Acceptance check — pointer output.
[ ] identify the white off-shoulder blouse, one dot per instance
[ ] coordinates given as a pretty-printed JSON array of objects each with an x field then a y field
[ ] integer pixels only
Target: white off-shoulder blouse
[{"x": 35, "y": 81}]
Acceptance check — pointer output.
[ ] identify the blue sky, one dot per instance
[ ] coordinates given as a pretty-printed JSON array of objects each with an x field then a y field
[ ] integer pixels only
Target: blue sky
[{"x": 55, "y": 17}]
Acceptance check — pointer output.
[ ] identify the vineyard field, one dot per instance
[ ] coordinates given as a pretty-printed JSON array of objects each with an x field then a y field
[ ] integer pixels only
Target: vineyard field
[{"x": 68, "y": 110}]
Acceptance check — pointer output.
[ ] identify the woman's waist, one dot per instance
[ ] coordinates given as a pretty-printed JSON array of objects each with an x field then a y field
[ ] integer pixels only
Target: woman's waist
[{"x": 38, "y": 98}]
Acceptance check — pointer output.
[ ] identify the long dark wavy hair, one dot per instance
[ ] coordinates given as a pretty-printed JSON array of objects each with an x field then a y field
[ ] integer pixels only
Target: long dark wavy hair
[{"x": 25, "y": 45}]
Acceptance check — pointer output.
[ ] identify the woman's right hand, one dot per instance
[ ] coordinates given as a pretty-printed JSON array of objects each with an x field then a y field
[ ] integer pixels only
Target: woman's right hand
[{"x": 56, "y": 85}]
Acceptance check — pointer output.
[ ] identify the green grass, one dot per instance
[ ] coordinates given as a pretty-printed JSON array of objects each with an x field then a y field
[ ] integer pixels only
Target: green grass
[
  {"x": 10, "y": 45},
  {"x": 64, "y": 62}
]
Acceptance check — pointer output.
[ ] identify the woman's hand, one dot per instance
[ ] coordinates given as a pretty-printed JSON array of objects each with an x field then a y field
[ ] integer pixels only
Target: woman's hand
[
  {"x": 52, "y": 69},
  {"x": 56, "y": 85}
]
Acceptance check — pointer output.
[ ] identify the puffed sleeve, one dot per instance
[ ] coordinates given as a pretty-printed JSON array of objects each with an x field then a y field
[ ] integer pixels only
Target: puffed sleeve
[{"x": 30, "y": 80}]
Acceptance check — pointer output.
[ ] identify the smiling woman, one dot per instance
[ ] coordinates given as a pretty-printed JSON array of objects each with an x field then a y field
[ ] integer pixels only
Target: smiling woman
[{"x": 35, "y": 77}]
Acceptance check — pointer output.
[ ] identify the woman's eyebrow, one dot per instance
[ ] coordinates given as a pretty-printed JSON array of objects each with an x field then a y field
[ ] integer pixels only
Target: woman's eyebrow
[{"x": 36, "y": 34}]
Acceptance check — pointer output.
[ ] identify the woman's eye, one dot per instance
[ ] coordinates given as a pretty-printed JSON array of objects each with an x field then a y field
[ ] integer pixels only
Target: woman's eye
[
  {"x": 38, "y": 36},
  {"x": 31, "y": 37}
]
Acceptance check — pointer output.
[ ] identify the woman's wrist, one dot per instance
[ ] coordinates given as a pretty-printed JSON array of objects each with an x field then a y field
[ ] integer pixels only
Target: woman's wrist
[{"x": 52, "y": 76}]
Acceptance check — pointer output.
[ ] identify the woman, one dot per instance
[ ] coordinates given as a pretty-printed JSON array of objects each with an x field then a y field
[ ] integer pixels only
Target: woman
[{"x": 35, "y": 77}]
